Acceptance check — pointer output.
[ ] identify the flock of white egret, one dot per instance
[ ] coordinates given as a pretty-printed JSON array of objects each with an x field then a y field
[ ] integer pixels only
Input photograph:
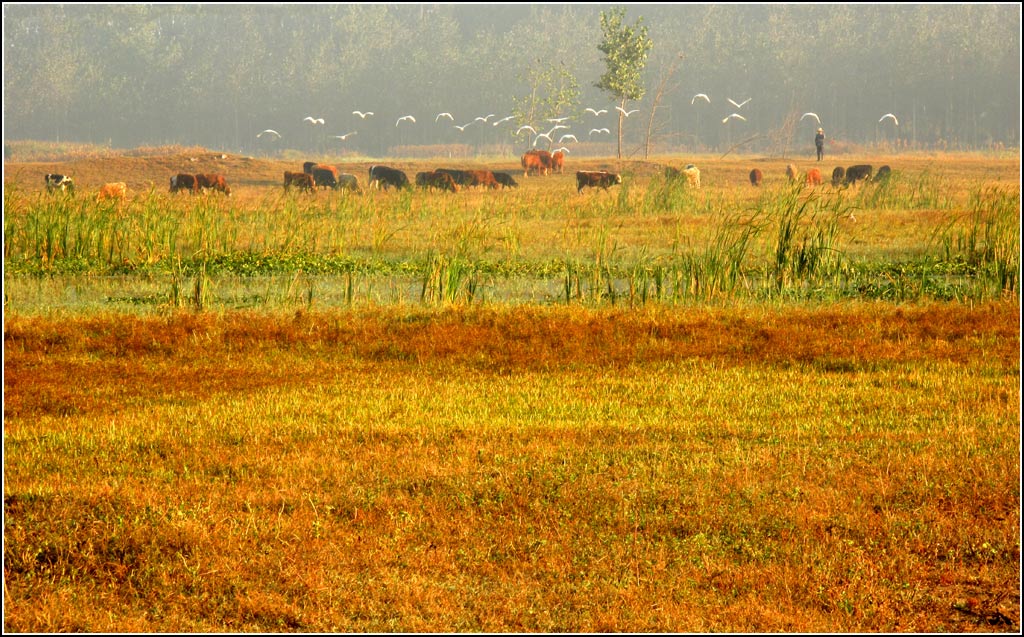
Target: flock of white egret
[{"x": 557, "y": 121}]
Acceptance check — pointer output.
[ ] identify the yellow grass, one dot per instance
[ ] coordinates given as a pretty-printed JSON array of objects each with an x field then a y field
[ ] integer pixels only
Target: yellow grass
[{"x": 854, "y": 468}]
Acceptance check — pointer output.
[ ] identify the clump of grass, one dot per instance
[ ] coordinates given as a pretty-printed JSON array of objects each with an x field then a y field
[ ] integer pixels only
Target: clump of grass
[
  {"x": 805, "y": 251},
  {"x": 988, "y": 238},
  {"x": 449, "y": 279}
]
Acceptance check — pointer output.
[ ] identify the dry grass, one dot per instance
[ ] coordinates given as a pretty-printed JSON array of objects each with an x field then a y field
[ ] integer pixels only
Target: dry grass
[{"x": 852, "y": 468}]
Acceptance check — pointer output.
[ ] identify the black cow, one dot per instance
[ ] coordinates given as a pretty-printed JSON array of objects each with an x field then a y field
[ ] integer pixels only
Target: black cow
[
  {"x": 860, "y": 172},
  {"x": 883, "y": 174},
  {"x": 505, "y": 180},
  {"x": 62, "y": 183},
  {"x": 596, "y": 180},
  {"x": 838, "y": 175},
  {"x": 325, "y": 177},
  {"x": 383, "y": 176}
]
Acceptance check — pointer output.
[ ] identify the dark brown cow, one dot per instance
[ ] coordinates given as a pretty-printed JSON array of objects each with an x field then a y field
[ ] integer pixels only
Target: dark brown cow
[
  {"x": 756, "y": 177},
  {"x": 436, "y": 179},
  {"x": 302, "y": 181},
  {"x": 838, "y": 176},
  {"x": 883, "y": 174},
  {"x": 538, "y": 161},
  {"x": 860, "y": 172},
  {"x": 558, "y": 162},
  {"x": 505, "y": 180},
  {"x": 460, "y": 177},
  {"x": 212, "y": 181},
  {"x": 596, "y": 180},
  {"x": 183, "y": 181}
]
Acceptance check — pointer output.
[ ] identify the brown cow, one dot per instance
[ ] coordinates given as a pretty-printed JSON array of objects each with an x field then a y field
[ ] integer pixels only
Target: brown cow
[
  {"x": 212, "y": 181},
  {"x": 182, "y": 181},
  {"x": 115, "y": 190},
  {"x": 537, "y": 161},
  {"x": 756, "y": 177},
  {"x": 436, "y": 179},
  {"x": 302, "y": 181},
  {"x": 558, "y": 162},
  {"x": 482, "y": 178},
  {"x": 813, "y": 177},
  {"x": 792, "y": 172},
  {"x": 601, "y": 179}
]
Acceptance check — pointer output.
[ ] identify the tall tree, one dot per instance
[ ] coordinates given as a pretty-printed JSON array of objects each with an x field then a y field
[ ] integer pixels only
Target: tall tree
[{"x": 625, "y": 51}]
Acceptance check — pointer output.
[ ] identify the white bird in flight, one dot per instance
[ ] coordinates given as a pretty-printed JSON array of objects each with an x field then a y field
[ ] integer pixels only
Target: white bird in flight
[
  {"x": 440, "y": 115},
  {"x": 269, "y": 132},
  {"x": 625, "y": 112},
  {"x": 557, "y": 127},
  {"x": 361, "y": 114},
  {"x": 889, "y": 115},
  {"x": 544, "y": 135},
  {"x": 740, "y": 105},
  {"x": 557, "y": 120},
  {"x": 463, "y": 127},
  {"x": 599, "y": 130},
  {"x": 345, "y": 136},
  {"x": 734, "y": 116},
  {"x": 404, "y": 118},
  {"x": 529, "y": 128},
  {"x": 600, "y": 112},
  {"x": 314, "y": 120},
  {"x": 703, "y": 96},
  {"x": 484, "y": 119},
  {"x": 814, "y": 115},
  {"x": 563, "y": 149},
  {"x": 565, "y": 137},
  {"x": 503, "y": 120}
]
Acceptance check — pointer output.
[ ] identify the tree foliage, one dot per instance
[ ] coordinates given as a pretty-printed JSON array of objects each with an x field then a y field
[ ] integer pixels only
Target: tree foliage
[
  {"x": 215, "y": 75},
  {"x": 625, "y": 51}
]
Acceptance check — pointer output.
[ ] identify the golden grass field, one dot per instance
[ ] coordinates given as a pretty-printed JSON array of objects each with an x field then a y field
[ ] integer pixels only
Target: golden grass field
[{"x": 489, "y": 467}]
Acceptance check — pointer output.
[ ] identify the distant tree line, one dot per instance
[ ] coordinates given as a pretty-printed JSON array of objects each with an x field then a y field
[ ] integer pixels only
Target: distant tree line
[{"x": 216, "y": 75}]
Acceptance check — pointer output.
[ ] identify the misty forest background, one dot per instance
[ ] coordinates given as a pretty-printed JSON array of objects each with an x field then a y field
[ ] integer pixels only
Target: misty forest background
[{"x": 216, "y": 75}]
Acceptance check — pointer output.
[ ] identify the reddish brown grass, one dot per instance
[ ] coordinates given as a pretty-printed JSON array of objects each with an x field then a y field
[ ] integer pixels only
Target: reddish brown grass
[{"x": 81, "y": 364}]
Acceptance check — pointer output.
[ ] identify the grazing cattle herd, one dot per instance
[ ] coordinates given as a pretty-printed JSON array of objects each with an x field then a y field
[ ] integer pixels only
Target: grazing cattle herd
[{"x": 316, "y": 176}]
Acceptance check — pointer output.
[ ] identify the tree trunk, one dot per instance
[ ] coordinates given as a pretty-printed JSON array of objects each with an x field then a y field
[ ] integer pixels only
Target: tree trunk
[{"x": 621, "y": 118}]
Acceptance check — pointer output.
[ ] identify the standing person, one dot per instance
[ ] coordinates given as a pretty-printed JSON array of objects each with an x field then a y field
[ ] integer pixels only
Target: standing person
[{"x": 819, "y": 143}]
